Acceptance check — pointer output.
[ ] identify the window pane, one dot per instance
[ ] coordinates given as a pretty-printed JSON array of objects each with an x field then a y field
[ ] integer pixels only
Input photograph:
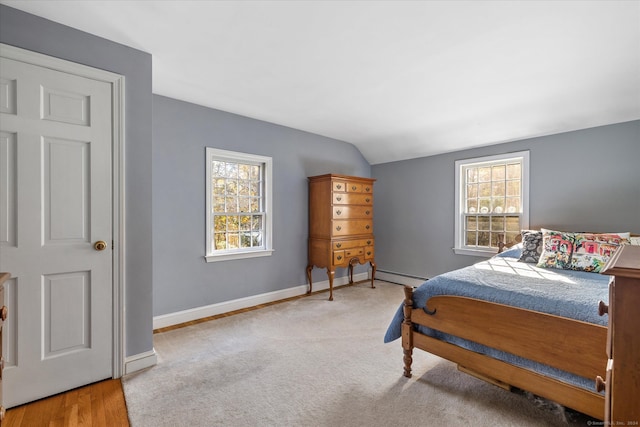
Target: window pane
[
  {"x": 483, "y": 238},
  {"x": 220, "y": 223},
  {"x": 232, "y": 187},
  {"x": 471, "y": 238},
  {"x": 483, "y": 223},
  {"x": 496, "y": 238},
  {"x": 514, "y": 171},
  {"x": 472, "y": 191},
  {"x": 244, "y": 204},
  {"x": 232, "y": 204},
  {"x": 485, "y": 205},
  {"x": 484, "y": 174},
  {"x": 245, "y": 222},
  {"x": 231, "y": 170},
  {"x": 218, "y": 204},
  {"x": 256, "y": 224},
  {"x": 498, "y": 205},
  {"x": 472, "y": 223},
  {"x": 255, "y": 205},
  {"x": 218, "y": 168},
  {"x": 233, "y": 240},
  {"x": 220, "y": 241},
  {"x": 511, "y": 236},
  {"x": 255, "y": 172},
  {"x": 254, "y": 189},
  {"x": 498, "y": 189},
  {"x": 256, "y": 238},
  {"x": 244, "y": 171},
  {"x": 472, "y": 175},
  {"x": 513, "y": 223},
  {"x": 484, "y": 190},
  {"x": 497, "y": 223},
  {"x": 498, "y": 173},
  {"x": 513, "y": 188},
  {"x": 245, "y": 240},
  {"x": 218, "y": 186},
  {"x": 513, "y": 204},
  {"x": 232, "y": 223},
  {"x": 243, "y": 188}
]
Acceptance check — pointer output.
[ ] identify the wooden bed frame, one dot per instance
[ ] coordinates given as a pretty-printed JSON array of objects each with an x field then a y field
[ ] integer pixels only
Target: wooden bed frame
[{"x": 571, "y": 345}]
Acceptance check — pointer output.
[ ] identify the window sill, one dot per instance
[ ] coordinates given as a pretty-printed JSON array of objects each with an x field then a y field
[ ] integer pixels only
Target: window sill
[
  {"x": 238, "y": 255},
  {"x": 487, "y": 253}
]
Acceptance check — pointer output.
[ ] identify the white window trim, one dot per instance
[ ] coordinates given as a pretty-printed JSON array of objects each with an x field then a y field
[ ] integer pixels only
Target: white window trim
[
  {"x": 459, "y": 247},
  {"x": 234, "y": 156}
]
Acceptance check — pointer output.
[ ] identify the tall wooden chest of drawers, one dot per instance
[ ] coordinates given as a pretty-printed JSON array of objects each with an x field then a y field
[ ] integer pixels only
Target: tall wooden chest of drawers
[{"x": 340, "y": 225}]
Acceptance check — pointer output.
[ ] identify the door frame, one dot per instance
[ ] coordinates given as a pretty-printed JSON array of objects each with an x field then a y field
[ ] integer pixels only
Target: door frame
[{"x": 117, "y": 83}]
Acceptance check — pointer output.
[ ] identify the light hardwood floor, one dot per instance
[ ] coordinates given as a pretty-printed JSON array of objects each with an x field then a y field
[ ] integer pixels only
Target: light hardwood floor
[{"x": 98, "y": 404}]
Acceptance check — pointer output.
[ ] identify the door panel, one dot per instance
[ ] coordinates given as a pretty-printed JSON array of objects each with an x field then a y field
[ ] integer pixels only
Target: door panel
[{"x": 55, "y": 202}]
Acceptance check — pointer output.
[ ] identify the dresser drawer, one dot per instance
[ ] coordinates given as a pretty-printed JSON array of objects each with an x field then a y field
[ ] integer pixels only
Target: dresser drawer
[
  {"x": 369, "y": 253},
  {"x": 350, "y": 253},
  {"x": 349, "y": 212},
  {"x": 351, "y": 243},
  {"x": 352, "y": 199},
  {"x": 338, "y": 257},
  {"x": 352, "y": 227}
]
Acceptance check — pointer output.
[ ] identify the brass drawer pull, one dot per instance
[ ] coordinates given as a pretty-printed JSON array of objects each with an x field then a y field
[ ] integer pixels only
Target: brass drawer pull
[
  {"x": 368, "y": 242},
  {"x": 367, "y": 200},
  {"x": 338, "y": 212},
  {"x": 338, "y": 245},
  {"x": 339, "y": 186},
  {"x": 367, "y": 189},
  {"x": 339, "y": 257},
  {"x": 338, "y": 228},
  {"x": 338, "y": 198},
  {"x": 368, "y": 252},
  {"x": 353, "y": 187},
  {"x": 367, "y": 212},
  {"x": 367, "y": 226}
]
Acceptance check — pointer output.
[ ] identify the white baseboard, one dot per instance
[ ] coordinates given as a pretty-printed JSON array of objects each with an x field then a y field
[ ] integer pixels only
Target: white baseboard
[
  {"x": 140, "y": 361},
  {"x": 399, "y": 278},
  {"x": 165, "y": 320}
]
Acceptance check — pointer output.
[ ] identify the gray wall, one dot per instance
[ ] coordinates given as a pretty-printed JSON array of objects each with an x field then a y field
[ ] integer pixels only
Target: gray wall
[
  {"x": 40, "y": 35},
  {"x": 181, "y": 131},
  {"x": 582, "y": 180}
]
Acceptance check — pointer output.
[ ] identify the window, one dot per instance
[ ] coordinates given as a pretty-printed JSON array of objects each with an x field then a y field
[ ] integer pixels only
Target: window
[
  {"x": 492, "y": 202},
  {"x": 238, "y": 205}
]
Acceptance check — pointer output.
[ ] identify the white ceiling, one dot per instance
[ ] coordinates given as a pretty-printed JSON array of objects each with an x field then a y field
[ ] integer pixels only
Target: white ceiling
[{"x": 398, "y": 79}]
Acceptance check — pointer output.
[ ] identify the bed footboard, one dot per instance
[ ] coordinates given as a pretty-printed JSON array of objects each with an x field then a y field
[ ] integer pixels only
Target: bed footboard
[{"x": 573, "y": 346}]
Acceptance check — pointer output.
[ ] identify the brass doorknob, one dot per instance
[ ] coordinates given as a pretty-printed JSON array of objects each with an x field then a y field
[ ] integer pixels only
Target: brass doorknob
[{"x": 100, "y": 245}]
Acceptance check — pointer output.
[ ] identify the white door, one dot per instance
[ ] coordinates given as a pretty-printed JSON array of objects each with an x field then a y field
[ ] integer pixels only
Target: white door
[{"x": 55, "y": 204}]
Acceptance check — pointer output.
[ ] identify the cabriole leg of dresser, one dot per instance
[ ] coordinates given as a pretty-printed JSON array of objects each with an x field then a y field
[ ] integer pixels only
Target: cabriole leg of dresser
[
  {"x": 373, "y": 272},
  {"x": 330, "y": 273},
  {"x": 309, "y": 268}
]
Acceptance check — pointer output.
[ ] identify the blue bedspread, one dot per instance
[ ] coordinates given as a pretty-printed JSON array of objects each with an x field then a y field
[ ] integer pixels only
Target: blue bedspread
[{"x": 502, "y": 279}]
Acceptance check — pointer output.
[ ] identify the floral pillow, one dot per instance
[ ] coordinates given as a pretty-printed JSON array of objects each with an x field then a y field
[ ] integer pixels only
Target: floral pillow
[
  {"x": 592, "y": 251},
  {"x": 557, "y": 248},
  {"x": 531, "y": 246}
]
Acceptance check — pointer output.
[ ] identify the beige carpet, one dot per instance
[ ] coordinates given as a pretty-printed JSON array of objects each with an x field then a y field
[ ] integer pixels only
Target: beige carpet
[{"x": 311, "y": 362}]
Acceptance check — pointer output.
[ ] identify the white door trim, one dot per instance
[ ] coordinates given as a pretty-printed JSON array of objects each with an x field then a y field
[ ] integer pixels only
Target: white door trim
[{"x": 118, "y": 176}]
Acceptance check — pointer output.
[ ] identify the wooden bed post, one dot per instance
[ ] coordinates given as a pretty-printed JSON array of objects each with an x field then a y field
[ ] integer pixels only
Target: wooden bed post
[{"x": 407, "y": 337}]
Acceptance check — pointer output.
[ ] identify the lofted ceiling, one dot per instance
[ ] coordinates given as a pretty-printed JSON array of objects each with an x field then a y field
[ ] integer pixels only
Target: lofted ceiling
[{"x": 398, "y": 79}]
